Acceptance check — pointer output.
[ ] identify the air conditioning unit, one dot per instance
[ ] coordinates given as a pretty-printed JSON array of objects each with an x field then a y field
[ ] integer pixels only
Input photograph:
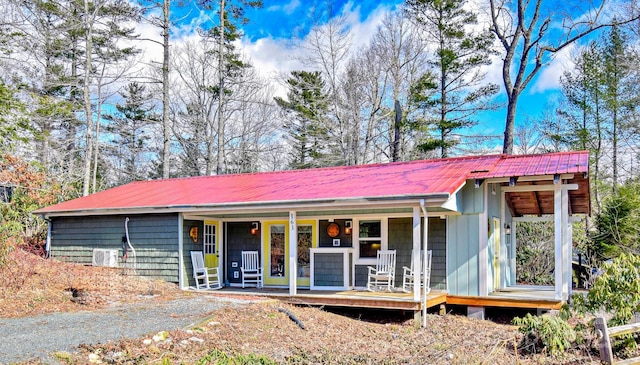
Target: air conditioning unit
[{"x": 104, "y": 257}]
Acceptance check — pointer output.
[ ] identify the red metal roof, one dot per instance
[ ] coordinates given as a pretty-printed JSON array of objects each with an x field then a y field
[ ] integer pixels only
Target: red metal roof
[{"x": 391, "y": 180}]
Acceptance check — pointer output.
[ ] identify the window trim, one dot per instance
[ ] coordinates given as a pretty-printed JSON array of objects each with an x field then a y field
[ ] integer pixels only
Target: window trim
[{"x": 384, "y": 242}]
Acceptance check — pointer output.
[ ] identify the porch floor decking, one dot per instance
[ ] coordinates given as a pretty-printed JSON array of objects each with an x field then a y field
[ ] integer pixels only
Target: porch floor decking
[
  {"x": 519, "y": 296},
  {"x": 528, "y": 297},
  {"x": 346, "y": 298}
]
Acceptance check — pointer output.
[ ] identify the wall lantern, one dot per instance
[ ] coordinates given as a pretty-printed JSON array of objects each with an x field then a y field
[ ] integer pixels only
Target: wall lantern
[
  {"x": 347, "y": 227},
  {"x": 507, "y": 230},
  {"x": 193, "y": 233},
  {"x": 254, "y": 228}
]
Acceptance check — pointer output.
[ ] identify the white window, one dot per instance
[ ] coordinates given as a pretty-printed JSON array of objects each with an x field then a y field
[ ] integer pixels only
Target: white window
[
  {"x": 371, "y": 237},
  {"x": 209, "y": 239}
]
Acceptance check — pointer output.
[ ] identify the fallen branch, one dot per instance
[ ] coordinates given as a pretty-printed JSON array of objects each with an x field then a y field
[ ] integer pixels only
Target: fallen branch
[{"x": 292, "y": 317}]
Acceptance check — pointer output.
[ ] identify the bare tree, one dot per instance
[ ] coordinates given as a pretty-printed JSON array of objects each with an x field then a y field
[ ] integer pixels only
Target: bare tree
[{"x": 524, "y": 29}]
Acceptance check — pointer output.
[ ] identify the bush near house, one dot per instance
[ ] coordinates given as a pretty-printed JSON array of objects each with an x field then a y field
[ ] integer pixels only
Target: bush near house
[{"x": 30, "y": 189}]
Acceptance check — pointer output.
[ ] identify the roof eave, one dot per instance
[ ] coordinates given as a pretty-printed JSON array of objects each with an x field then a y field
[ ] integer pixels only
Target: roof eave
[{"x": 434, "y": 200}]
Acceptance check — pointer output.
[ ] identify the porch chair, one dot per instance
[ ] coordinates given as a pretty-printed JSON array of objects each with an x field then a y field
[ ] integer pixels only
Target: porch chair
[
  {"x": 407, "y": 276},
  {"x": 383, "y": 276},
  {"x": 205, "y": 277},
  {"x": 251, "y": 270}
]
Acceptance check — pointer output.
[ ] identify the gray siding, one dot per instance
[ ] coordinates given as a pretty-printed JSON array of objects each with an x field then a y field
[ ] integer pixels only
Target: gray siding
[
  {"x": 462, "y": 258},
  {"x": 328, "y": 269},
  {"x": 189, "y": 245},
  {"x": 153, "y": 236},
  {"x": 401, "y": 240},
  {"x": 239, "y": 238}
]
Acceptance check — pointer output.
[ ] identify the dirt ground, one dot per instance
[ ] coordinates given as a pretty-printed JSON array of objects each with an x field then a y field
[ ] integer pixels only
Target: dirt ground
[{"x": 263, "y": 332}]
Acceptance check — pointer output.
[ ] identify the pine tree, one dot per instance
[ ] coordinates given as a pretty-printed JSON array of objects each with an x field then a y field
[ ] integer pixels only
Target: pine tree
[
  {"x": 456, "y": 93},
  {"x": 131, "y": 129},
  {"x": 231, "y": 14},
  {"x": 307, "y": 106}
]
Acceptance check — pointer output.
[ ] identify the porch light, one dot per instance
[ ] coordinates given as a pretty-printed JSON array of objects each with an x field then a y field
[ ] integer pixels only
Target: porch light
[
  {"x": 347, "y": 227},
  {"x": 254, "y": 228},
  {"x": 507, "y": 230}
]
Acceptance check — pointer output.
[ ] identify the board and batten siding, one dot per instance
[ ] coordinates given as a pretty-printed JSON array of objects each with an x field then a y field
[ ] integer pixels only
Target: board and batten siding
[
  {"x": 400, "y": 233},
  {"x": 153, "y": 236},
  {"x": 462, "y": 259}
]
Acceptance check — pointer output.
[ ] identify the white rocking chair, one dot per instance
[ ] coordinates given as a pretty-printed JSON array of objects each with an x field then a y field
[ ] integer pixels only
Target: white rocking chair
[
  {"x": 251, "y": 270},
  {"x": 205, "y": 277},
  {"x": 407, "y": 276},
  {"x": 383, "y": 276}
]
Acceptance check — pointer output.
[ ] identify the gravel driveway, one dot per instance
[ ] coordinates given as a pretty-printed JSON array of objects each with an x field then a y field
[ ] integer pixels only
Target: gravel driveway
[{"x": 29, "y": 338}]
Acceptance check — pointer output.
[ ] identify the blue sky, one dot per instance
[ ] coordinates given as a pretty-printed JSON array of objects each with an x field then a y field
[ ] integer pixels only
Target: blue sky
[{"x": 268, "y": 36}]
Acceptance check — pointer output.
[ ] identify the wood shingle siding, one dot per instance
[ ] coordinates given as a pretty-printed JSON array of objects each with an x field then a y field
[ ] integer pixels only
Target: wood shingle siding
[
  {"x": 239, "y": 238},
  {"x": 153, "y": 236},
  {"x": 401, "y": 240},
  {"x": 329, "y": 269}
]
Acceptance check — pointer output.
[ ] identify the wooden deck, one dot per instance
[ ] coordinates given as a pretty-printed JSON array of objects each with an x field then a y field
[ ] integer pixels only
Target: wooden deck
[
  {"x": 347, "y": 298},
  {"x": 528, "y": 297},
  {"x": 515, "y": 297}
]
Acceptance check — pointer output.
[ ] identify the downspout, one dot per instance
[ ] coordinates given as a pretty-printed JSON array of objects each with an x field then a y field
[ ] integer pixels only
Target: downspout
[
  {"x": 424, "y": 262},
  {"x": 47, "y": 247}
]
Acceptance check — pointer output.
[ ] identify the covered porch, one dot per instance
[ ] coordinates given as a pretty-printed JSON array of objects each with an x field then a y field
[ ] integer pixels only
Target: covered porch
[{"x": 558, "y": 199}]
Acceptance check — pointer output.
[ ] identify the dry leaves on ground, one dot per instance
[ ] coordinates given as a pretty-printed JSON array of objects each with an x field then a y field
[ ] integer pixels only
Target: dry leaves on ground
[{"x": 255, "y": 333}]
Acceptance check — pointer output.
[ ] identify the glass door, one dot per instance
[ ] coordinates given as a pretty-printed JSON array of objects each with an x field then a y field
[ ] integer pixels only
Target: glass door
[{"x": 305, "y": 242}]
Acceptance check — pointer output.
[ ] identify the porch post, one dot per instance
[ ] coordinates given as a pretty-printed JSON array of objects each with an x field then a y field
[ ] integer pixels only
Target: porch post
[
  {"x": 416, "y": 253},
  {"x": 293, "y": 253},
  {"x": 483, "y": 249},
  {"x": 425, "y": 254},
  {"x": 566, "y": 245},
  {"x": 557, "y": 228}
]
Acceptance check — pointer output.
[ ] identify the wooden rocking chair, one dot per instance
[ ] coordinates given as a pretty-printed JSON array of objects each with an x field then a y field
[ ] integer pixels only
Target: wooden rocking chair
[
  {"x": 251, "y": 270},
  {"x": 205, "y": 277},
  {"x": 408, "y": 272},
  {"x": 383, "y": 276}
]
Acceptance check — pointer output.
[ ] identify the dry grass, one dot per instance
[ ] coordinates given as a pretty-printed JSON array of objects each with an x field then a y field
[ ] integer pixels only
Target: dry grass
[
  {"x": 32, "y": 285},
  {"x": 256, "y": 333}
]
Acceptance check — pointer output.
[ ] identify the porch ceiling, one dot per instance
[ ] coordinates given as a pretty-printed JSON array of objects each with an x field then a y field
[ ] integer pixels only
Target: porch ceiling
[{"x": 541, "y": 202}]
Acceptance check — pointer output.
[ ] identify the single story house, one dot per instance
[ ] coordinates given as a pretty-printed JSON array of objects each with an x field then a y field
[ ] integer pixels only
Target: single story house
[{"x": 320, "y": 228}]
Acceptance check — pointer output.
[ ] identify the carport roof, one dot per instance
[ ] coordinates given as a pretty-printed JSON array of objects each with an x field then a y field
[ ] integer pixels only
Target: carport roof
[{"x": 339, "y": 185}]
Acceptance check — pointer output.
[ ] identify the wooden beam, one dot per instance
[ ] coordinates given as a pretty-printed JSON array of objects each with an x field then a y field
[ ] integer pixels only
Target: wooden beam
[
  {"x": 503, "y": 302},
  {"x": 512, "y": 209},
  {"x": 536, "y": 202}
]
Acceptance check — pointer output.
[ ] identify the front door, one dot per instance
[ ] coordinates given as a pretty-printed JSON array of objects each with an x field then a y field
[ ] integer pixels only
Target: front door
[
  {"x": 276, "y": 249},
  {"x": 210, "y": 242},
  {"x": 306, "y": 240},
  {"x": 496, "y": 253}
]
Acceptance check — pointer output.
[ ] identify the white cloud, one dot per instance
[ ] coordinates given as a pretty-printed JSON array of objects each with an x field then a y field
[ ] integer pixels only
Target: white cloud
[
  {"x": 287, "y": 8},
  {"x": 549, "y": 78},
  {"x": 277, "y": 57}
]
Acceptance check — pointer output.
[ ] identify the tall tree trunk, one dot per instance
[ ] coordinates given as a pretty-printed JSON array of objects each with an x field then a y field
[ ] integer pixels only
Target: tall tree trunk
[
  {"x": 88, "y": 23},
  {"x": 220, "y": 157},
  {"x": 165, "y": 91},
  {"x": 395, "y": 155},
  {"x": 507, "y": 148}
]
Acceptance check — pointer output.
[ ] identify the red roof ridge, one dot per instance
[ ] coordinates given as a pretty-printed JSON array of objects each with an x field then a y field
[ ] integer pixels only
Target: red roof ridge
[
  {"x": 507, "y": 156},
  {"x": 340, "y": 167}
]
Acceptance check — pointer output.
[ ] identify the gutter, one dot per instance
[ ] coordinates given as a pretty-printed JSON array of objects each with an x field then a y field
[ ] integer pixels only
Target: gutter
[{"x": 253, "y": 207}]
